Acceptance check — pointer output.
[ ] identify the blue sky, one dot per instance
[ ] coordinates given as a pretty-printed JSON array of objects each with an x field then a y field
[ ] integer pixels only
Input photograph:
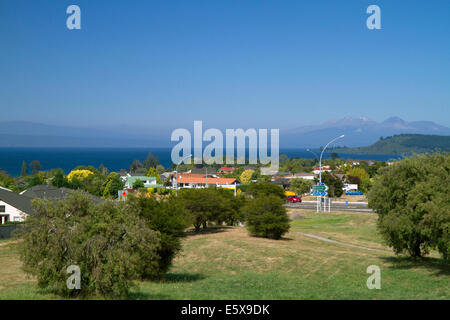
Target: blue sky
[{"x": 275, "y": 64}]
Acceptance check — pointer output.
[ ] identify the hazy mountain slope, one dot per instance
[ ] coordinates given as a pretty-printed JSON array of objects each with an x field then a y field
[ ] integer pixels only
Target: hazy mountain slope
[
  {"x": 403, "y": 144},
  {"x": 358, "y": 132}
]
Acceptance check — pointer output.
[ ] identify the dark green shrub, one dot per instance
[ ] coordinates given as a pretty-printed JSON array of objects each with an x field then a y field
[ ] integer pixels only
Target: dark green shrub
[
  {"x": 265, "y": 189},
  {"x": 210, "y": 205},
  {"x": 266, "y": 217},
  {"x": 109, "y": 243},
  {"x": 170, "y": 220}
]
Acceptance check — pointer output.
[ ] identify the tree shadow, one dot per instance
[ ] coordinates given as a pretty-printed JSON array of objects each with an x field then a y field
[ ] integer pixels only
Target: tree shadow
[
  {"x": 209, "y": 230},
  {"x": 436, "y": 265},
  {"x": 182, "y": 277}
]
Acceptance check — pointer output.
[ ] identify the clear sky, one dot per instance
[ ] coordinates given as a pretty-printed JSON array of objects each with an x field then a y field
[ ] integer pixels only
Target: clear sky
[{"x": 234, "y": 63}]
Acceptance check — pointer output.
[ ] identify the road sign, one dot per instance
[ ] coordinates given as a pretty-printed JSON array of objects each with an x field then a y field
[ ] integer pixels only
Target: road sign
[
  {"x": 320, "y": 187},
  {"x": 320, "y": 193}
]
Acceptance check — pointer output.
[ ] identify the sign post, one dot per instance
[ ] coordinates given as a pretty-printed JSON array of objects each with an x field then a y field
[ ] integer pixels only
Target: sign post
[{"x": 320, "y": 190}]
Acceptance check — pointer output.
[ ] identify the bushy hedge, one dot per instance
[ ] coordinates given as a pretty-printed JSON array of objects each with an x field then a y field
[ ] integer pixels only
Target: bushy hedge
[
  {"x": 111, "y": 245},
  {"x": 412, "y": 200},
  {"x": 266, "y": 217}
]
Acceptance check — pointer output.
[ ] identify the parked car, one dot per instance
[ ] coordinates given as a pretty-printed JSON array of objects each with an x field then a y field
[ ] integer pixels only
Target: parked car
[
  {"x": 354, "y": 193},
  {"x": 294, "y": 199}
]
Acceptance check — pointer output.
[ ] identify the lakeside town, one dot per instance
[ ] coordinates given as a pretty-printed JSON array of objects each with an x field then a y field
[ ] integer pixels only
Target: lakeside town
[{"x": 148, "y": 178}]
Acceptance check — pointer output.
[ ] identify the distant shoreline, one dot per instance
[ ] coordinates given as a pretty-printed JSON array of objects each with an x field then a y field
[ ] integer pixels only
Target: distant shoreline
[{"x": 119, "y": 158}]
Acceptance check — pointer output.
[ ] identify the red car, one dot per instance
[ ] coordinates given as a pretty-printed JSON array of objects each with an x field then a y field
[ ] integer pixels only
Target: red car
[{"x": 294, "y": 199}]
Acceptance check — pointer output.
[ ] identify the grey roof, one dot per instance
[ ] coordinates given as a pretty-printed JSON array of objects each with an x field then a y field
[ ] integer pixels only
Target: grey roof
[
  {"x": 45, "y": 191},
  {"x": 18, "y": 201}
]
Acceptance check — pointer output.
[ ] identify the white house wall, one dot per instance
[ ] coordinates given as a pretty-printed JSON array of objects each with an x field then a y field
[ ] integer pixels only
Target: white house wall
[{"x": 14, "y": 213}]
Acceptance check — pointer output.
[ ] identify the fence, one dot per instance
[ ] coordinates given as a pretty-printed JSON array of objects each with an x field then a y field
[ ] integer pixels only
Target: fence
[{"x": 6, "y": 231}]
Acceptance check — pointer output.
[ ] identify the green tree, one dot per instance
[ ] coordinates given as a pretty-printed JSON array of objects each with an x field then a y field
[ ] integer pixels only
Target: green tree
[
  {"x": 110, "y": 244},
  {"x": 203, "y": 205},
  {"x": 260, "y": 190},
  {"x": 246, "y": 176},
  {"x": 138, "y": 184},
  {"x": 135, "y": 165},
  {"x": 59, "y": 180},
  {"x": 152, "y": 172},
  {"x": 35, "y": 166},
  {"x": 170, "y": 220},
  {"x": 300, "y": 186},
  {"x": 24, "y": 171},
  {"x": 411, "y": 198},
  {"x": 359, "y": 172},
  {"x": 266, "y": 217},
  {"x": 112, "y": 185},
  {"x": 152, "y": 161},
  {"x": 334, "y": 184}
]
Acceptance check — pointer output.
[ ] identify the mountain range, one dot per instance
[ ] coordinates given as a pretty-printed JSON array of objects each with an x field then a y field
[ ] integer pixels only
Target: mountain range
[{"x": 358, "y": 132}]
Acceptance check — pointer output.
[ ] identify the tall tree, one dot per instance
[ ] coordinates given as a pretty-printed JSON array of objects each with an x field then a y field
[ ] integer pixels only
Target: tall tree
[
  {"x": 136, "y": 164},
  {"x": 151, "y": 161},
  {"x": 24, "y": 172},
  {"x": 35, "y": 166}
]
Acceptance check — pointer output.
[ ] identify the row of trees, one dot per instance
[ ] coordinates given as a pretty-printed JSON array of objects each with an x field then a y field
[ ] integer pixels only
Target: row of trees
[{"x": 114, "y": 243}]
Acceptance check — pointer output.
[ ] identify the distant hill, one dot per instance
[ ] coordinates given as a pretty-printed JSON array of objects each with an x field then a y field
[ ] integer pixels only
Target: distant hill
[
  {"x": 403, "y": 144},
  {"x": 358, "y": 132}
]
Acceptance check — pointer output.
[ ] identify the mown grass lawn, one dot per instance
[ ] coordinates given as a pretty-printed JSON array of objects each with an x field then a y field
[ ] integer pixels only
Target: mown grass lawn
[{"x": 226, "y": 263}]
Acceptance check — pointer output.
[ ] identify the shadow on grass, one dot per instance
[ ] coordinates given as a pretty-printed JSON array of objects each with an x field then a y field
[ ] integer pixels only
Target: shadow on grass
[
  {"x": 209, "y": 230},
  {"x": 182, "y": 277},
  {"x": 438, "y": 266},
  {"x": 168, "y": 278}
]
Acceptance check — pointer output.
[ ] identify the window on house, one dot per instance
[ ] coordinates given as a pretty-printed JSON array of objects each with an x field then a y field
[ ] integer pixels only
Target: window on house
[{"x": 2, "y": 208}]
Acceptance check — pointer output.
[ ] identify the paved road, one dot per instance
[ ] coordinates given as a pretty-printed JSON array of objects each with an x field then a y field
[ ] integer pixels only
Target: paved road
[{"x": 335, "y": 206}]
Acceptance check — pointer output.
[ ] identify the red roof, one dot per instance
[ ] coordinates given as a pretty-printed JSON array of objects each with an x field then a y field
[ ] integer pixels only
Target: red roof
[
  {"x": 200, "y": 178},
  {"x": 226, "y": 169}
]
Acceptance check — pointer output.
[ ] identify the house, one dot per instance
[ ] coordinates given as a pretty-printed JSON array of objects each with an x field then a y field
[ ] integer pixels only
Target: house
[
  {"x": 316, "y": 170},
  {"x": 192, "y": 180},
  {"x": 13, "y": 207},
  {"x": 149, "y": 182},
  {"x": 225, "y": 170},
  {"x": 302, "y": 175}
]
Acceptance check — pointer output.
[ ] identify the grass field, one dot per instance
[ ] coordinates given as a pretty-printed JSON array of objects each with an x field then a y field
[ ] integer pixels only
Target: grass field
[{"x": 226, "y": 263}]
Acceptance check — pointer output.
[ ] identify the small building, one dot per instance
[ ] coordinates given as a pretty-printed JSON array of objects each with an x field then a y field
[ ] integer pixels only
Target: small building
[
  {"x": 225, "y": 170},
  {"x": 149, "y": 182},
  {"x": 302, "y": 175},
  {"x": 316, "y": 170},
  {"x": 13, "y": 207}
]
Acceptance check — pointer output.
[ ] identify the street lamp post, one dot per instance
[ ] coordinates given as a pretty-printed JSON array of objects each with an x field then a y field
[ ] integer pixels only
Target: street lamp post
[
  {"x": 321, "y": 154},
  {"x": 176, "y": 173},
  {"x": 320, "y": 165}
]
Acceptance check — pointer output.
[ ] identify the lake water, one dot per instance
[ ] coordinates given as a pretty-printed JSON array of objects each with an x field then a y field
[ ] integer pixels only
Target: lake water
[{"x": 117, "y": 158}]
